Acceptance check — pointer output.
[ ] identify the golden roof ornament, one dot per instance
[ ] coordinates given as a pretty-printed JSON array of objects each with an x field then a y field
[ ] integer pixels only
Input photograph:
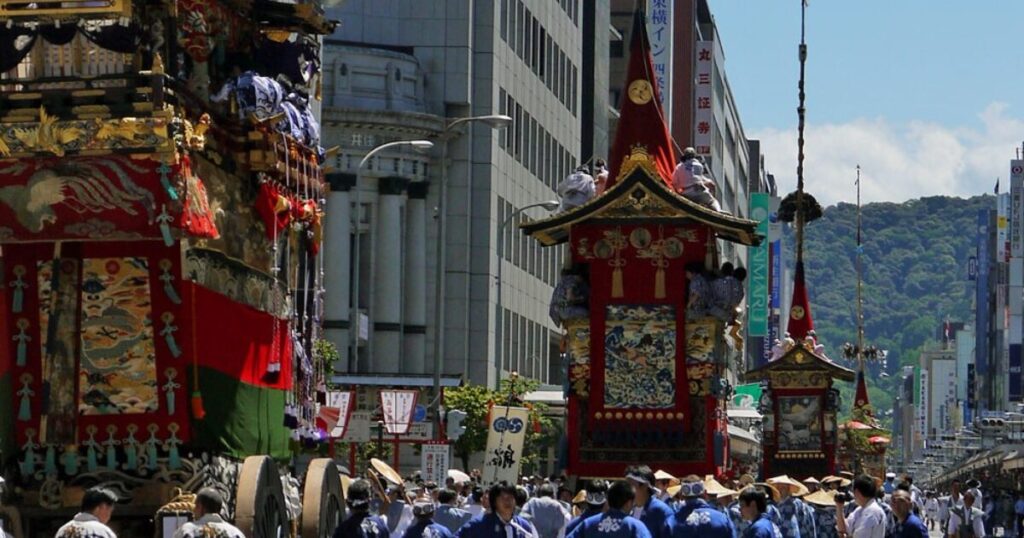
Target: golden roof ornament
[{"x": 638, "y": 157}]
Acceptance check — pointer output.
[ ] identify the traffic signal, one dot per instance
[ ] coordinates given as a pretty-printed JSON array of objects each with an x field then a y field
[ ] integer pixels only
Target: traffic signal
[{"x": 455, "y": 427}]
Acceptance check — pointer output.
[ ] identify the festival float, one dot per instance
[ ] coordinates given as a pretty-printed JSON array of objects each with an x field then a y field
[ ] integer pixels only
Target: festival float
[
  {"x": 646, "y": 374},
  {"x": 161, "y": 199}
]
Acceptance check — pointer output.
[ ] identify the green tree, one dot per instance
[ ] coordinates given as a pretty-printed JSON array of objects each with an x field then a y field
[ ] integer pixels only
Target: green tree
[{"x": 475, "y": 401}]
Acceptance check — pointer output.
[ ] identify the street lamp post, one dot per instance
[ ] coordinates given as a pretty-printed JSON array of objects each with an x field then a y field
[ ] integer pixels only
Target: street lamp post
[
  {"x": 499, "y": 347},
  {"x": 495, "y": 121},
  {"x": 421, "y": 145}
]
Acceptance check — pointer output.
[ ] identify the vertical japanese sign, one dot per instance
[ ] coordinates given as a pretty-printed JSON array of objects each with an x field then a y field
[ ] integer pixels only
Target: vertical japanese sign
[
  {"x": 434, "y": 462},
  {"x": 659, "y": 30},
  {"x": 703, "y": 113},
  {"x": 981, "y": 318},
  {"x": 398, "y": 407},
  {"x": 1003, "y": 228},
  {"x": 1016, "y": 212},
  {"x": 506, "y": 434},
  {"x": 922, "y": 406},
  {"x": 775, "y": 274},
  {"x": 335, "y": 415},
  {"x": 757, "y": 272}
]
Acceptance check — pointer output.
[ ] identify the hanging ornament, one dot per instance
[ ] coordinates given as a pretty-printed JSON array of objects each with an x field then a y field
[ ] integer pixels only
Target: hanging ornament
[
  {"x": 151, "y": 447},
  {"x": 26, "y": 393},
  {"x": 168, "y": 333},
  {"x": 164, "y": 170},
  {"x": 167, "y": 278},
  {"x": 171, "y": 445},
  {"x": 170, "y": 387},
  {"x": 131, "y": 449},
  {"x": 50, "y": 463},
  {"x": 111, "y": 447},
  {"x": 22, "y": 338},
  {"x": 291, "y": 416},
  {"x": 28, "y": 463},
  {"x": 164, "y": 220},
  {"x": 70, "y": 460},
  {"x": 198, "y": 412},
  {"x": 91, "y": 463},
  {"x": 19, "y": 285}
]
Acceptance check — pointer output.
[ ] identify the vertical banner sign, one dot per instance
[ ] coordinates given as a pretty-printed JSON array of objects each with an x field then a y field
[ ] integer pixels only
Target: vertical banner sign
[
  {"x": 1014, "y": 388},
  {"x": 922, "y": 411},
  {"x": 659, "y": 30},
  {"x": 398, "y": 407},
  {"x": 981, "y": 318},
  {"x": 775, "y": 274},
  {"x": 757, "y": 270},
  {"x": 1016, "y": 210},
  {"x": 1003, "y": 227},
  {"x": 703, "y": 113},
  {"x": 335, "y": 415},
  {"x": 506, "y": 434},
  {"x": 434, "y": 461}
]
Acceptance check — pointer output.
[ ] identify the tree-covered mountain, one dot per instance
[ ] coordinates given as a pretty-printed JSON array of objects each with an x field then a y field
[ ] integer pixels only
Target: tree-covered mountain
[{"x": 915, "y": 276}]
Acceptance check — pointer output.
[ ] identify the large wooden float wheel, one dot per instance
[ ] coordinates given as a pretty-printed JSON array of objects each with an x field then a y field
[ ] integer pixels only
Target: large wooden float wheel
[
  {"x": 260, "y": 510},
  {"x": 323, "y": 502}
]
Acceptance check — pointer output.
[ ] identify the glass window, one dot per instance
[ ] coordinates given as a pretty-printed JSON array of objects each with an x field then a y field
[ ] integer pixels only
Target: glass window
[{"x": 504, "y": 20}]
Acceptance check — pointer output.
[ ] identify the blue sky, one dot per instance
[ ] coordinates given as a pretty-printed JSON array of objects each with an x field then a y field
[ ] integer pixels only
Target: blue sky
[{"x": 928, "y": 96}]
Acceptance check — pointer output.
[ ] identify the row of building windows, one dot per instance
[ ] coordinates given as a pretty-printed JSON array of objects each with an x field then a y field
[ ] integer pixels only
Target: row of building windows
[
  {"x": 571, "y": 9},
  {"x": 530, "y": 349},
  {"x": 534, "y": 147},
  {"x": 534, "y": 45},
  {"x": 524, "y": 252},
  {"x": 412, "y": 168}
]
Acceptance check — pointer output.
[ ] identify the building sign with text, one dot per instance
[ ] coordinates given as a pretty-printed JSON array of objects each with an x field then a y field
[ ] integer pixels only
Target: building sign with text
[
  {"x": 703, "y": 117},
  {"x": 757, "y": 270},
  {"x": 506, "y": 435},
  {"x": 659, "y": 30}
]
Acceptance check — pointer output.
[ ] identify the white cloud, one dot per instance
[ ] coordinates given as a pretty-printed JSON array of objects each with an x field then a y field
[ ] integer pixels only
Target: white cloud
[{"x": 898, "y": 161}]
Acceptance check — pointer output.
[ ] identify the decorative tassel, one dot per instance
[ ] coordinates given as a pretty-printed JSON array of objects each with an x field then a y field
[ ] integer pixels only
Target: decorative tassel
[
  {"x": 151, "y": 454},
  {"x": 22, "y": 338},
  {"x": 131, "y": 446},
  {"x": 166, "y": 182},
  {"x": 173, "y": 457},
  {"x": 111, "y": 444},
  {"x": 659, "y": 283},
  {"x": 291, "y": 418},
  {"x": 165, "y": 226},
  {"x": 197, "y": 406},
  {"x": 90, "y": 459},
  {"x": 170, "y": 387},
  {"x": 617, "y": 291},
  {"x": 70, "y": 460},
  {"x": 168, "y": 278},
  {"x": 168, "y": 333},
  {"x": 26, "y": 393},
  {"x": 28, "y": 464},
  {"x": 19, "y": 285},
  {"x": 50, "y": 465}
]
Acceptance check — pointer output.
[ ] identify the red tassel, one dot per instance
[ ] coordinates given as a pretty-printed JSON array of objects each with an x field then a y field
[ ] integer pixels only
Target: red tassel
[{"x": 197, "y": 406}]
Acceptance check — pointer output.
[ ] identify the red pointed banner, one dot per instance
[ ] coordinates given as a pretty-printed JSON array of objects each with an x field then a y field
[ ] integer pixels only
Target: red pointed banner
[
  {"x": 860, "y": 401},
  {"x": 640, "y": 120},
  {"x": 800, "y": 321}
]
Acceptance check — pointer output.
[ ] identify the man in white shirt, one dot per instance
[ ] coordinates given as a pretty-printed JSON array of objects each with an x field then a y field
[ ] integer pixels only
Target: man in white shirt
[
  {"x": 966, "y": 521},
  {"x": 868, "y": 519},
  {"x": 91, "y": 521},
  {"x": 208, "y": 521}
]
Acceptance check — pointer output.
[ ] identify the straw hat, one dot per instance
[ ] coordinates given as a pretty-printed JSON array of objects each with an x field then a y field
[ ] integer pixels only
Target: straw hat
[
  {"x": 846, "y": 474},
  {"x": 673, "y": 490},
  {"x": 821, "y": 498},
  {"x": 769, "y": 490},
  {"x": 714, "y": 487},
  {"x": 662, "y": 475},
  {"x": 811, "y": 480},
  {"x": 745, "y": 480},
  {"x": 580, "y": 497},
  {"x": 386, "y": 471},
  {"x": 795, "y": 488}
]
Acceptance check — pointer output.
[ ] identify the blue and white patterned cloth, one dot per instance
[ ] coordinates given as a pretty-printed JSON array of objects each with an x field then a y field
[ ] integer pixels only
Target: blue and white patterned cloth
[
  {"x": 762, "y": 527},
  {"x": 491, "y": 526},
  {"x": 611, "y": 524},
  {"x": 742, "y": 525},
  {"x": 655, "y": 515},
  {"x": 698, "y": 519},
  {"x": 797, "y": 518},
  {"x": 427, "y": 529}
]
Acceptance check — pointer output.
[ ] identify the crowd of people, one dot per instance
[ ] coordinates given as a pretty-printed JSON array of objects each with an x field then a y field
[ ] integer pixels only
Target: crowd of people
[
  {"x": 643, "y": 504},
  {"x": 648, "y": 504}
]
